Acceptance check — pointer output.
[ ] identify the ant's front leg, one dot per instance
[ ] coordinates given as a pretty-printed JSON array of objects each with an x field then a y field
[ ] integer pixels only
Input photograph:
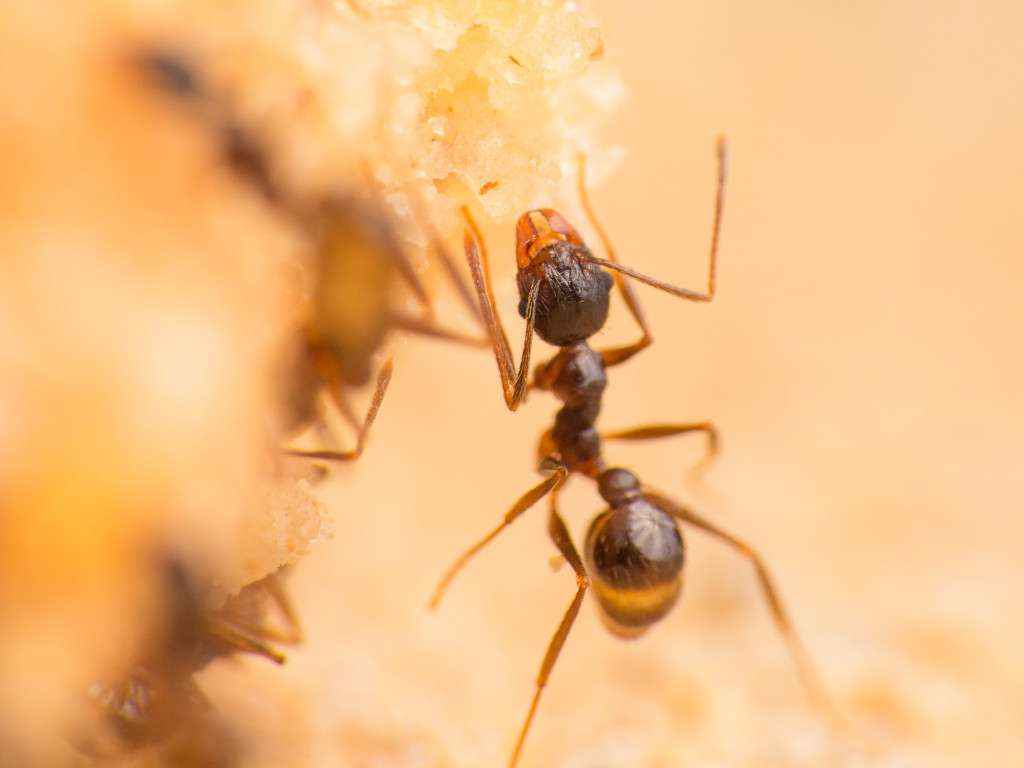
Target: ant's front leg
[{"x": 513, "y": 381}]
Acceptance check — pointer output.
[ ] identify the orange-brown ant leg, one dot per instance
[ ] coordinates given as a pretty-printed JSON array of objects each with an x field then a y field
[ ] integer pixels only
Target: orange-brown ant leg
[
  {"x": 383, "y": 379},
  {"x": 238, "y": 638},
  {"x": 716, "y": 226},
  {"x": 523, "y": 503},
  {"x": 427, "y": 326},
  {"x": 455, "y": 277},
  {"x": 560, "y": 536},
  {"x": 615, "y": 355},
  {"x": 658, "y": 431},
  {"x": 808, "y": 674},
  {"x": 274, "y": 590},
  {"x": 272, "y": 584},
  {"x": 513, "y": 382}
]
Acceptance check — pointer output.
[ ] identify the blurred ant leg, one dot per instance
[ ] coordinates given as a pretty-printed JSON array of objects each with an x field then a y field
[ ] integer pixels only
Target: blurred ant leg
[
  {"x": 293, "y": 634},
  {"x": 560, "y": 536},
  {"x": 615, "y": 355},
  {"x": 399, "y": 256},
  {"x": 233, "y": 635},
  {"x": 513, "y": 382},
  {"x": 408, "y": 273},
  {"x": 442, "y": 251},
  {"x": 427, "y": 326},
  {"x": 658, "y": 431},
  {"x": 808, "y": 674},
  {"x": 685, "y": 293},
  {"x": 275, "y": 590},
  {"x": 522, "y": 504},
  {"x": 383, "y": 379}
]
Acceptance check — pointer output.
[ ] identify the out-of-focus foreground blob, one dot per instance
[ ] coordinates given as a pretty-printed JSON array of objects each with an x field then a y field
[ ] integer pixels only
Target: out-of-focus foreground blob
[{"x": 147, "y": 293}]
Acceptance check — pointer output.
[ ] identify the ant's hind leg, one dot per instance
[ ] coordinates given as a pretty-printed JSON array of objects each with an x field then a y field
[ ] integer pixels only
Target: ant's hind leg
[
  {"x": 522, "y": 504},
  {"x": 808, "y": 674},
  {"x": 560, "y": 536},
  {"x": 363, "y": 429},
  {"x": 239, "y": 639},
  {"x": 657, "y": 431}
]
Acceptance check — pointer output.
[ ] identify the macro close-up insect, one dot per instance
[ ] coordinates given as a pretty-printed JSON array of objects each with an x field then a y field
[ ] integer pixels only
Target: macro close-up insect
[
  {"x": 633, "y": 556},
  {"x": 249, "y": 326}
]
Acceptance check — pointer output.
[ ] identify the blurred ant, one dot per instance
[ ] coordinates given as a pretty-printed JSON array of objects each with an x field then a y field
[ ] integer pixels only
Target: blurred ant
[
  {"x": 634, "y": 554},
  {"x": 159, "y": 700},
  {"x": 359, "y": 260}
]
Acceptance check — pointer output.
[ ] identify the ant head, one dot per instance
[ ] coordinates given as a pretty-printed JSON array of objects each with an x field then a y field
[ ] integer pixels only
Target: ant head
[
  {"x": 538, "y": 229},
  {"x": 572, "y": 291},
  {"x": 635, "y": 559}
]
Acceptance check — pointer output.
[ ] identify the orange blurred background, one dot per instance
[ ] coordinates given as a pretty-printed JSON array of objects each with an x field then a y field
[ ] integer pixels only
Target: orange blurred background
[{"x": 860, "y": 361}]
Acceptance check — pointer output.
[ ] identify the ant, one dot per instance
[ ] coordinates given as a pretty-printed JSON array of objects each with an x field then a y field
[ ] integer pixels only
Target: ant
[
  {"x": 358, "y": 261},
  {"x": 159, "y": 698},
  {"x": 633, "y": 554}
]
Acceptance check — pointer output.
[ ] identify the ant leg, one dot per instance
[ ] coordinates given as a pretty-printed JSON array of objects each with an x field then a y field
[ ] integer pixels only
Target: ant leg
[
  {"x": 274, "y": 589},
  {"x": 272, "y": 584},
  {"x": 682, "y": 293},
  {"x": 427, "y": 326},
  {"x": 615, "y": 355},
  {"x": 808, "y": 674},
  {"x": 513, "y": 382},
  {"x": 657, "y": 431},
  {"x": 236, "y": 637},
  {"x": 442, "y": 251},
  {"x": 560, "y": 535},
  {"x": 522, "y": 504},
  {"x": 383, "y": 379}
]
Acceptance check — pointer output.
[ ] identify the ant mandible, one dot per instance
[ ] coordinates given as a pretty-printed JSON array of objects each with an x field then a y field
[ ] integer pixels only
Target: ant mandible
[{"x": 634, "y": 554}]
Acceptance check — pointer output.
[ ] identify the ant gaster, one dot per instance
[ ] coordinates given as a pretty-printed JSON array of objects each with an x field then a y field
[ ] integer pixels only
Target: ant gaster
[{"x": 634, "y": 554}]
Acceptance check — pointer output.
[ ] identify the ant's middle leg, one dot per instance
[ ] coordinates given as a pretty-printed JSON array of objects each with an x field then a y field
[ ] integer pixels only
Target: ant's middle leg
[
  {"x": 806, "y": 669},
  {"x": 658, "y": 431},
  {"x": 522, "y": 504},
  {"x": 363, "y": 429}
]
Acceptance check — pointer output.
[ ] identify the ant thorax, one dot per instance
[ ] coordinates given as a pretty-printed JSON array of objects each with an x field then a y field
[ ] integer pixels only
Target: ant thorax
[{"x": 572, "y": 302}]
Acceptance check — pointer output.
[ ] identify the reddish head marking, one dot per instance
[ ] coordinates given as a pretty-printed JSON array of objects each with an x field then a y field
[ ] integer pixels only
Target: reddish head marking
[{"x": 538, "y": 229}]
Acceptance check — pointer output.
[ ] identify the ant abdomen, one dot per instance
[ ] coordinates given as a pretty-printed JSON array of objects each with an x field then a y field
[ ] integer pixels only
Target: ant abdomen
[
  {"x": 572, "y": 302},
  {"x": 634, "y": 555}
]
